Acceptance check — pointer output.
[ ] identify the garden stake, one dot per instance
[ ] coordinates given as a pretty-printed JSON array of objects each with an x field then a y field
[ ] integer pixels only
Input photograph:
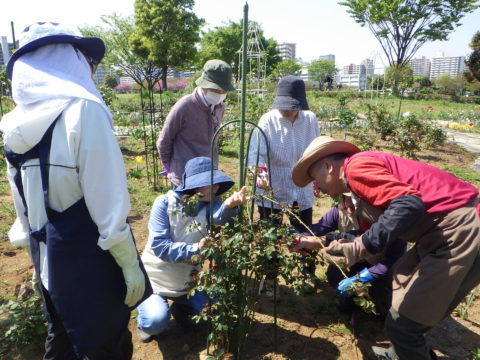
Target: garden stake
[
  {"x": 239, "y": 342},
  {"x": 142, "y": 103},
  {"x": 244, "y": 96}
]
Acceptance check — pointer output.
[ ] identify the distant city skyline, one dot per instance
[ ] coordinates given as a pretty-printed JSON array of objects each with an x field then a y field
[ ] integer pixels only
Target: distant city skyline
[{"x": 316, "y": 27}]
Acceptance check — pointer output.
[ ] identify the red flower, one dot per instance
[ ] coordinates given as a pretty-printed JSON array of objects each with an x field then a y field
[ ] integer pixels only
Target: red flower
[
  {"x": 429, "y": 107},
  {"x": 471, "y": 124}
]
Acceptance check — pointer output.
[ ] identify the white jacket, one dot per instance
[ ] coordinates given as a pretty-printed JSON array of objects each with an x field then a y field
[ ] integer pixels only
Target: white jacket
[{"x": 85, "y": 161}]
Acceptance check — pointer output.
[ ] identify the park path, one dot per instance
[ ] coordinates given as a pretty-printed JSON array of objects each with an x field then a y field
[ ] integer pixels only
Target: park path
[{"x": 469, "y": 141}]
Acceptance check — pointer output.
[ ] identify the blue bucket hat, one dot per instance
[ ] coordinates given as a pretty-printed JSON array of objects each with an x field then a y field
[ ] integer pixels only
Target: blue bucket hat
[
  {"x": 290, "y": 94},
  {"x": 46, "y": 33},
  {"x": 197, "y": 174}
]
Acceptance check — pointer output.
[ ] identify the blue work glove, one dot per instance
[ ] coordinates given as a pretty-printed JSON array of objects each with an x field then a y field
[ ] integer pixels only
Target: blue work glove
[{"x": 363, "y": 276}]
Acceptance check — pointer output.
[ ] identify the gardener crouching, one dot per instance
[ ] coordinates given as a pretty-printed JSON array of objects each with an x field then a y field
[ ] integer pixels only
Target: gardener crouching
[
  {"x": 176, "y": 233},
  {"x": 408, "y": 201},
  {"x": 376, "y": 270}
]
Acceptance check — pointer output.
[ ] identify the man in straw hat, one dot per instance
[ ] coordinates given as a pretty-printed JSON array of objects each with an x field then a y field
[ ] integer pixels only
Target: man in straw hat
[
  {"x": 193, "y": 120},
  {"x": 409, "y": 201},
  {"x": 70, "y": 193}
]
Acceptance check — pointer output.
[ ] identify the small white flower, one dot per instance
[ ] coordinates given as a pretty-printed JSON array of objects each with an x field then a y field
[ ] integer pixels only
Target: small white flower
[{"x": 406, "y": 114}]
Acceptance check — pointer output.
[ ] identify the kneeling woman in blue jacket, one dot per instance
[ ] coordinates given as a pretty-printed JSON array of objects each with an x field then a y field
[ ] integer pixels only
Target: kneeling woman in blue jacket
[{"x": 172, "y": 243}]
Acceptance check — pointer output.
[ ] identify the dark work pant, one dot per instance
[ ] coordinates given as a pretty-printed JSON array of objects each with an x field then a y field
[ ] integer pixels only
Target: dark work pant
[
  {"x": 408, "y": 336},
  {"x": 59, "y": 347},
  {"x": 305, "y": 216}
]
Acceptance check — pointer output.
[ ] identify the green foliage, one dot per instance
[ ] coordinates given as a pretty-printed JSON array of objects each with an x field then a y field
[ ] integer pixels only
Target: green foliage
[
  {"x": 364, "y": 140},
  {"x": 377, "y": 82},
  {"x": 286, "y": 67},
  {"x": 462, "y": 309},
  {"x": 5, "y": 88},
  {"x": 240, "y": 254},
  {"x": 435, "y": 136},
  {"x": 476, "y": 354},
  {"x": 110, "y": 81},
  {"x": 224, "y": 42},
  {"x": 380, "y": 120},
  {"x": 119, "y": 54},
  {"x": 423, "y": 81},
  {"x": 403, "y": 26},
  {"x": 107, "y": 94},
  {"x": 22, "y": 323},
  {"x": 167, "y": 31},
  {"x": 407, "y": 137},
  {"x": 450, "y": 85},
  {"x": 398, "y": 77},
  {"x": 469, "y": 175},
  {"x": 473, "y": 60},
  {"x": 320, "y": 69},
  {"x": 361, "y": 296}
]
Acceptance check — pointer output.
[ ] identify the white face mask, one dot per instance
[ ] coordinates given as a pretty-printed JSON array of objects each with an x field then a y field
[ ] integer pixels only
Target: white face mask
[{"x": 213, "y": 98}]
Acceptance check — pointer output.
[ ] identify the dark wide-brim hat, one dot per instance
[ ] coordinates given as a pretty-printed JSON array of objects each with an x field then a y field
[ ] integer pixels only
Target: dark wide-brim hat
[
  {"x": 319, "y": 148},
  {"x": 46, "y": 33},
  {"x": 197, "y": 174},
  {"x": 290, "y": 94},
  {"x": 216, "y": 74}
]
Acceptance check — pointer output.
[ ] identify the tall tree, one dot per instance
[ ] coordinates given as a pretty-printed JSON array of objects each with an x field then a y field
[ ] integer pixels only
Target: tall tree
[
  {"x": 119, "y": 55},
  {"x": 286, "y": 67},
  {"x": 224, "y": 42},
  {"x": 399, "y": 77},
  {"x": 473, "y": 61},
  {"x": 321, "y": 69},
  {"x": 167, "y": 31},
  {"x": 403, "y": 26},
  {"x": 450, "y": 85}
]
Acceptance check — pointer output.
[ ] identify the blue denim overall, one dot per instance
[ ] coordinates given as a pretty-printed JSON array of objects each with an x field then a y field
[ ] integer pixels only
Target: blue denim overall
[{"x": 85, "y": 283}]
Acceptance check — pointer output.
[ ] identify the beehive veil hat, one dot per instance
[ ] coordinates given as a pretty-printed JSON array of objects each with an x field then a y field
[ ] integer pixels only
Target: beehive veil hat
[
  {"x": 319, "y": 148},
  {"x": 45, "y": 33}
]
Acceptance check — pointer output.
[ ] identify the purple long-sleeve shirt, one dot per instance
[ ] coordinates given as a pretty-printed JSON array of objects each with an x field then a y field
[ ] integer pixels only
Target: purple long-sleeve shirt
[
  {"x": 329, "y": 222},
  {"x": 187, "y": 133}
]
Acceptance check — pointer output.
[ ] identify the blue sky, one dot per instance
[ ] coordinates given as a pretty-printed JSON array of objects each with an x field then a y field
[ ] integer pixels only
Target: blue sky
[{"x": 318, "y": 27}]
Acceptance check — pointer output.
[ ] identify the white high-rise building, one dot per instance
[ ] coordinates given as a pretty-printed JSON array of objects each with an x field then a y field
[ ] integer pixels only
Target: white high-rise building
[
  {"x": 354, "y": 81},
  {"x": 452, "y": 66},
  {"x": 330, "y": 57},
  {"x": 287, "y": 51},
  {"x": 420, "y": 66},
  {"x": 354, "y": 69},
  {"x": 369, "y": 67},
  {"x": 4, "y": 50}
]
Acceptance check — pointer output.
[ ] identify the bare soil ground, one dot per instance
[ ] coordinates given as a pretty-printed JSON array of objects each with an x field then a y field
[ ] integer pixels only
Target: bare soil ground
[{"x": 309, "y": 326}]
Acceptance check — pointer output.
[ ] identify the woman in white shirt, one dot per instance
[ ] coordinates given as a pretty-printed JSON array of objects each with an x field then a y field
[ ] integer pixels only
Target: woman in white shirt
[{"x": 289, "y": 128}]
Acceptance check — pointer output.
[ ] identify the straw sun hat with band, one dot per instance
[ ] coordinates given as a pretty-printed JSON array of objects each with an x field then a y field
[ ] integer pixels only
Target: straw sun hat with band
[{"x": 319, "y": 148}]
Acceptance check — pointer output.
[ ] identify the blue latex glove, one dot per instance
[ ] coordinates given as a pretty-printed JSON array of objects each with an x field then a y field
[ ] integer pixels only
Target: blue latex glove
[{"x": 364, "y": 275}]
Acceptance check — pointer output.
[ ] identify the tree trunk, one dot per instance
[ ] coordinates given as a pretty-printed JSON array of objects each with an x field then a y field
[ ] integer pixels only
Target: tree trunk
[{"x": 164, "y": 78}]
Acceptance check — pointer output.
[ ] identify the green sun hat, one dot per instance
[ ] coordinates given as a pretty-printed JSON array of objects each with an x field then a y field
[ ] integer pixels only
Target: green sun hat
[{"x": 217, "y": 74}]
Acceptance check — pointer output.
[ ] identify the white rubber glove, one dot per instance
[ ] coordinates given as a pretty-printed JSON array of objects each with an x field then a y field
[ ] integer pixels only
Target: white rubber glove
[
  {"x": 35, "y": 281},
  {"x": 125, "y": 254}
]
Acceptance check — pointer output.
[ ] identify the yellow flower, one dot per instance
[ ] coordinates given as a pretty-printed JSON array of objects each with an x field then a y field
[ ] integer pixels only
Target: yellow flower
[{"x": 138, "y": 159}]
